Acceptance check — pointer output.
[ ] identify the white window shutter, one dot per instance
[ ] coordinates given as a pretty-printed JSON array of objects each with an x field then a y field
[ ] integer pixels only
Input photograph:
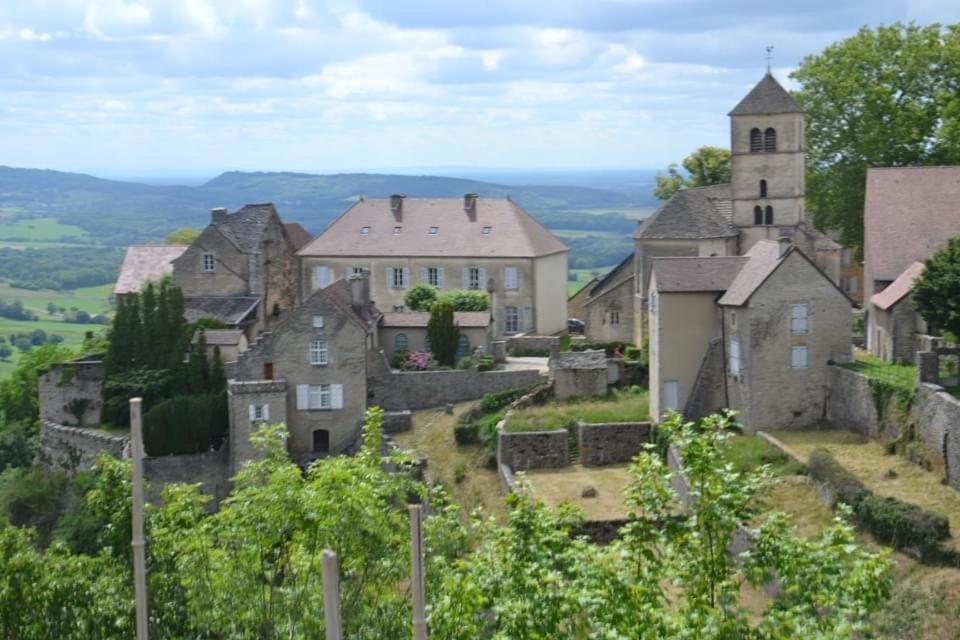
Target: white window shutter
[
  {"x": 483, "y": 279},
  {"x": 253, "y": 412},
  {"x": 336, "y": 396},
  {"x": 466, "y": 278},
  {"x": 406, "y": 277},
  {"x": 440, "y": 277},
  {"x": 424, "y": 275},
  {"x": 266, "y": 412},
  {"x": 303, "y": 396}
]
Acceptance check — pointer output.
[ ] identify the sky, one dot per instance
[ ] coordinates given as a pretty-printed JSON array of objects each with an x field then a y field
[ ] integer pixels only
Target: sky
[{"x": 134, "y": 86}]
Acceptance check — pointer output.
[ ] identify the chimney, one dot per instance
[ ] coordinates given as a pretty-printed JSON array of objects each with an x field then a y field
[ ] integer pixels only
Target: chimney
[
  {"x": 785, "y": 239},
  {"x": 360, "y": 290},
  {"x": 470, "y": 205},
  {"x": 396, "y": 206},
  {"x": 219, "y": 214}
]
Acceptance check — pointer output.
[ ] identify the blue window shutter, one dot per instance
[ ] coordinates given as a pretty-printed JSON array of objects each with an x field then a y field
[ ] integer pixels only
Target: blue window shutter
[
  {"x": 406, "y": 277},
  {"x": 389, "y": 277},
  {"x": 424, "y": 275},
  {"x": 336, "y": 396},
  {"x": 303, "y": 399},
  {"x": 440, "y": 277}
]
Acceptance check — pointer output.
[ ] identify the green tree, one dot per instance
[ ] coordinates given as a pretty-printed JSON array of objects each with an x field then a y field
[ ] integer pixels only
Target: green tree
[
  {"x": 420, "y": 297},
  {"x": 218, "y": 377},
  {"x": 5, "y": 351},
  {"x": 704, "y": 167},
  {"x": 18, "y": 392},
  {"x": 464, "y": 300},
  {"x": 936, "y": 293},
  {"x": 183, "y": 235},
  {"x": 444, "y": 333},
  {"x": 903, "y": 110},
  {"x": 198, "y": 369}
]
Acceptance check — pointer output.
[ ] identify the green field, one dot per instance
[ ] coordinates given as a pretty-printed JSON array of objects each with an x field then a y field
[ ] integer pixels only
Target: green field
[
  {"x": 583, "y": 277},
  {"x": 39, "y": 229},
  {"x": 40, "y": 244}
]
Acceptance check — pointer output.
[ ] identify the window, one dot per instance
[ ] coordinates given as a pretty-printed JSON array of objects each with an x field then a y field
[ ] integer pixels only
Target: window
[
  {"x": 259, "y": 412},
  {"x": 318, "y": 322},
  {"x": 428, "y": 343},
  {"x": 799, "y": 358},
  {"x": 396, "y": 231},
  {"x": 511, "y": 319},
  {"x": 511, "y": 279},
  {"x": 319, "y": 353},
  {"x": 321, "y": 277},
  {"x": 433, "y": 276},
  {"x": 434, "y": 231},
  {"x": 733, "y": 319},
  {"x": 768, "y": 217},
  {"x": 756, "y": 140},
  {"x": 486, "y": 230},
  {"x": 614, "y": 318},
  {"x": 770, "y": 139},
  {"x": 757, "y": 215},
  {"x": 268, "y": 371},
  {"x": 321, "y": 441},
  {"x": 472, "y": 278},
  {"x": 734, "y": 357},
  {"x": 208, "y": 262},
  {"x": 463, "y": 346},
  {"x": 763, "y": 188},
  {"x": 798, "y": 319},
  {"x": 401, "y": 342},
  {"x": 319, "y": 396},
  {"x": 398, "y": 277},
  {"x": 364, "y": 231}
]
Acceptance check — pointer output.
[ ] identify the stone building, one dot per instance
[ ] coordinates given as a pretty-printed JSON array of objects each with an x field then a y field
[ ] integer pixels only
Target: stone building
[
  {"x": 319, "y": 352},
  {"x": 608, "y": 311},
  {"x": 231, "y": 342},
  {"x": 909, "y": 214},
  {"x": 450, "y": 243},
  {"x": 577, "y": 303},
  {"x": 895, "y": 324},
  {"x": 242, "y": 269},
  {"x": 407, "y": 332},
  {"x": 753, "y": 333},
  {"x": 143, "y": 263},
  {"x": 579, "y": 374}
]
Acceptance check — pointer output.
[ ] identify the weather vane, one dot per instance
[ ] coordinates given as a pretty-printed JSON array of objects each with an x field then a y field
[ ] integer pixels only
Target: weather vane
[{"x": 769, "y": 56}]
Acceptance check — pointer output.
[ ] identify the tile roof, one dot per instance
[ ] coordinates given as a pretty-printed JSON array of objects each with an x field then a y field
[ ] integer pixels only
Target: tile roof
[
  {"x": 512, "y": 232},
  {"x": 615, "y": 276},
  {"x": 231, "y": 310},
  {"x": 417, "y": 319},
  {"x": 764, "y": 258},
  {"x": 768, "y": 96},
  {"x": 146, "y": 263},
  {"x": 340, "y": 292},
  {"x": 219, "y": 337},
  {"x": 299, "y": 236},
  {"x": 245, "y": 227},
  {"x": 899, "y": 288},
  {"x": 909, "y": 214},
  {"x": 701, "y": 212},
  {"x": 678, "y": 275}
]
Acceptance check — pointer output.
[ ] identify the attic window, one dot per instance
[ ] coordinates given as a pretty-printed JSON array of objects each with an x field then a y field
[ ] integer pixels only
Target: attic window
[
  {"x": 434, "y": 230},
  {"x": 364, "y": 231},
  {"x": 396, "y": 231},
  {"x": 486, "y": 230}
]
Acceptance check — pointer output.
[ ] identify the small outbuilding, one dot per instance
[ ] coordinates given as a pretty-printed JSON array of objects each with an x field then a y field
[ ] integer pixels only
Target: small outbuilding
[{"x": 579, "y": 374}]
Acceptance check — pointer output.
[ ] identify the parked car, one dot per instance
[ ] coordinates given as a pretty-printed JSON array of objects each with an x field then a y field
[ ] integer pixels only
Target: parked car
[{"x": 575, "y": 326}]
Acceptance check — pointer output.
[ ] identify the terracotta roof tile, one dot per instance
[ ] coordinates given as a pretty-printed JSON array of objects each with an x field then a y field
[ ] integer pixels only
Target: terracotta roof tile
[
  {"x": 678, "y": 275},
  {"x": 511, "y": 231},
  {"x": 417, "y": 319},
  {"x": 768, "y": 96},
  {"x": 899, "y": 288},
  {"x": 909, "y": 214},
  {"x": 146, "y": 263}
]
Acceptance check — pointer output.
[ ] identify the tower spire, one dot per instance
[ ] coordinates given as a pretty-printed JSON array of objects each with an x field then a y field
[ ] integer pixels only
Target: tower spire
[{"x": 769, "y": 56}]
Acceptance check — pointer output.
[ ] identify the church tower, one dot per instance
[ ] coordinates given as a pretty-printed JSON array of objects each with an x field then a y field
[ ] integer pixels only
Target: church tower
[{"x": 767, "y": 163}]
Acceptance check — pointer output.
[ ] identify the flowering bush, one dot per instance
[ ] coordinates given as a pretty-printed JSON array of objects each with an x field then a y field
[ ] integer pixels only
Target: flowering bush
[{"x": 418, "y": 361}]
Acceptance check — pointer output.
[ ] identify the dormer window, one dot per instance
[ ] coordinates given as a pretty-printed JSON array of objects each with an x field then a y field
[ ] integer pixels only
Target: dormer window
[
  {"x": 486, "y": 230},
  {"x": 396, "y": 231},
  {"x": 434, "y": 231},
  {"x": 364, "y": 231},
  {"x": 208, "y": 262}
]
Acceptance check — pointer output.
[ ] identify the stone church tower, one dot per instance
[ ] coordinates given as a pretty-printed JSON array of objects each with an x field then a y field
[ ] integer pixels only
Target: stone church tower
[{"x": 767, "y": 164}]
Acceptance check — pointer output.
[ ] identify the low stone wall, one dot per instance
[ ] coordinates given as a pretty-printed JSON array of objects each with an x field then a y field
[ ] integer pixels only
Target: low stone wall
[
  {"x": 850, "y": 404},
  {"x": 533, "y": 449},
  {"x": 74, "y": 449},
  {"x": 611, "y": 442},
  {"x": 508, "y": 483},
  {"x": 397, "y": 421},
  {"x": 936, "y": 415},
  {"x": 210, "y": 469},
  {"x": 533, "y": 345},
  {"x": 77, "y": 382}
]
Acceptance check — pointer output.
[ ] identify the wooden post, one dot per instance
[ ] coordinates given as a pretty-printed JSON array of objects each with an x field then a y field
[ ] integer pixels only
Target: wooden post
[
  {"x": 416, "y": 566},
  {"x": 139, "y": 559},
  {"x": 331, "y": 595}
]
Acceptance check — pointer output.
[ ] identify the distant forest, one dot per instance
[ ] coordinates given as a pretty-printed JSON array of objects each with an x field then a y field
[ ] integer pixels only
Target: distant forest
[{"x": 59, "y": 268}]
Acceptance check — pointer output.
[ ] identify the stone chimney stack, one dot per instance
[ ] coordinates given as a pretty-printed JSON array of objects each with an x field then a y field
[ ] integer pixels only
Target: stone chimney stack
[
  {"x": 396, "y": 206},
  {"x": 360, "y": 290},
  {"x": 470, "y": 205},
  {"x": 785, "y": 244},
  {"x": 219, "y": 214}
]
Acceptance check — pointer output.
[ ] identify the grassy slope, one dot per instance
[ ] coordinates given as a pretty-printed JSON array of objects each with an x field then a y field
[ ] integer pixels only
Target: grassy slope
[
  {"x": 625, "y": 407},
  {"x": 39, "y": 229}
]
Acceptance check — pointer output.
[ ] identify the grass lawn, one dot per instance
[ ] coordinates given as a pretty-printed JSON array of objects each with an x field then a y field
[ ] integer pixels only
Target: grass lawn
[
  {"x": 73, "y": 335},
  {"x": 556, "y": 486},
  {"x": 93, "y": 300},
  {"x": 618, "y": 407},
  {"x": 40, "y": 229},
  {"x": 432, "y": 438},
  {"x": 900, "y": 375},
  {"x": 749, "y": 452}
]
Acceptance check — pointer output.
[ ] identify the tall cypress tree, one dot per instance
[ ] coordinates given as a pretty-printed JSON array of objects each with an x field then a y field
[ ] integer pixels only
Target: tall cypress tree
[
  {"x": 152, "y": 350},
  {"x": 198, "y": 370},
  {"x": 218, "y": 377},
  {"x": 135, "y": 333},
  {"x": 119, "y": 341},
  {"x": 444, "y": 332},
  {"x": 177, "y": 326},
  {"x": 162, "y": 326}
]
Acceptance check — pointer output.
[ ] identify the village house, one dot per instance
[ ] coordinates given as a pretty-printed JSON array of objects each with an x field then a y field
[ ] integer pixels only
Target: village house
[
  {"x": 473, "y": 243},
  {"x": 143, "y": 263},
  {"x": 752, "y": 333},
  {"x": 406, "y": 332},
  {"x": 230, "y": 342},
  {"x": 909, "y": 214},
  {"x": 608, "y": 309},
  {"x": 242, "y": 269}
]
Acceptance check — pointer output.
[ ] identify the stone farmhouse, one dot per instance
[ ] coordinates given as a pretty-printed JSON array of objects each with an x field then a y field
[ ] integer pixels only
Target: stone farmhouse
[
  {"x": 764, "y": 201},
  {"x": 472, "y": 243},
  {"x": 753, "y": 333},
  {"x": 909, "y": 214}
]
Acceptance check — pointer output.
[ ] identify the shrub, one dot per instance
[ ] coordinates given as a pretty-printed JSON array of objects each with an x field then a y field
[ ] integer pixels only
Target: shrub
[
  {"x": 444, "y": 332},
  {"x": 185, "y": 425},
  {"x": 467, "y": 362},
  {"x": 418, "y": 361},
  {"x": 459, "y": 472},
  {"x": 400, "y": 358},
  {"x": 420, "y": 297},
  {"x": 466, "y": 432},
  {"x": 466, "y": 300},
  {"x": 486, "y": 363},
  {"x": 823, "y": 467},
  {"x": 632, "y": 353},
  {"x": 902, "y": 524}
]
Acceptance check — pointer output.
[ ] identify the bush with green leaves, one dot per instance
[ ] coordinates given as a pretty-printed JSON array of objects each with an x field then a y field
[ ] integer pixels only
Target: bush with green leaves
[
  {"x": 464, "y": 300},
  {"x": 936, "y": 291},
  {"x": 420, "y": 297},
  {"x": 186, "y": 425},
  {"x": 903, "y": 525},
  {"x": 847, "y": 488},
  {"x": 444, "y": 333}
]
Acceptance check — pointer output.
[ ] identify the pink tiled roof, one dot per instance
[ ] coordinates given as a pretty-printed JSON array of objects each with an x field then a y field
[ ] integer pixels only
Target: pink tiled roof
[
  {"x": 416, "y": 319},
  {"x": 512, "y": 232},
  {"x": 146, "y": 263},
  {"x": 899, "y": 288},
  {"x": 909, "y": 213}
]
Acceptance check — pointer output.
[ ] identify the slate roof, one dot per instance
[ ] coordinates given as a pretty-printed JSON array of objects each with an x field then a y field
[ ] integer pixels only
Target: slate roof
[
  {"x": 690, "y": 275},
  {"x": 764, "y": 258},
  {"x": 909, "y": 214},
  {"x": 899, "y": 288},
  {"x": 245, "y": 227},
  {"x": 692, "y": 214},
  {"x": 231, "y": 310},
  {"x": 145, "y": 263},
  {"x": 622, "y": 271},
  {"x": 416, "y": 319},
  {"x": 581, "y": 360},
  {"x": 512, "y": 232},
  {"x": 768, "y": 96},
  {"x": 299, "y": 236},
  {"x": 220, "y": 337}
]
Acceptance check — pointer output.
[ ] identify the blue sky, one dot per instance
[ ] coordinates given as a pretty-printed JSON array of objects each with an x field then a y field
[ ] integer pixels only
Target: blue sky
[{"x": 138, "y": 85}]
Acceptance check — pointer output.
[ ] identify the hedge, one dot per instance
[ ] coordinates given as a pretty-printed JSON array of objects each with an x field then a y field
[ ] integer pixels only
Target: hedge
[
  {"x": 823, "y": 467},
  {"x": 186, "y": 424}
]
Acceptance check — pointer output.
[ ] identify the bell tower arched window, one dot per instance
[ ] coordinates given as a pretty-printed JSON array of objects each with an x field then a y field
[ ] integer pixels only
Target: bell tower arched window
[
  {"x": 757, "y": 215},
  {"x": 756, "y": 140},
  {"x": 763, "y": 188},
  {"x": 768, "y": 218},
  {"x": 770, "y": 139}
]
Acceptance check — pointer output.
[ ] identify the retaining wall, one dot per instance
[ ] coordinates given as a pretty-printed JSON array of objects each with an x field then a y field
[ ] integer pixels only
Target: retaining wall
[
  {"x": 538, "y": 345},
  {"x": 611, "y": 442},
  {"x": 850, "y": 404},
  {"x": 533, "y": 449},
  {"x": 74, "y": 449},
  {"x": 66, "y": 382}
]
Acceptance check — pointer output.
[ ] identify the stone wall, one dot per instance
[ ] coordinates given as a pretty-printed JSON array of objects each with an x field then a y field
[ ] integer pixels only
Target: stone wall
[
  {"x": 533, "y": 345},
  {"x": 210, "y": 469},
  {"x": 533, "y": 449},
  {"x": 936, "y": 415},
  {"x": 397, "y": 421},
  {"x": 412, "y": 390},
  {"x": 850, "y": 404},
  {"x": 68, "y": 381},
  {"x": 74, "y": 449},
  {"x": 706, "y": 397},
  {"x": 611, "y": 442}
]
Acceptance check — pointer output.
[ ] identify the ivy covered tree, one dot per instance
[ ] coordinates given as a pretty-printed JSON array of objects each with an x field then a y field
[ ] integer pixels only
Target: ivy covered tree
[
  {"x": 936, "y": 293},
  {"x": 443, "y": 332}
]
